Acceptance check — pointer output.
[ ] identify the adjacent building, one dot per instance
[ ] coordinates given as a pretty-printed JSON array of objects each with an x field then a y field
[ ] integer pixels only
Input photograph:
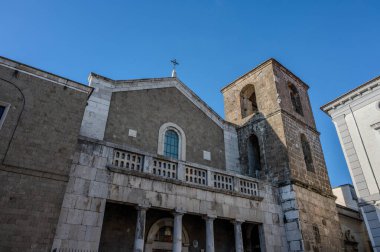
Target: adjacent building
[
  {"x": 356, "y": 116},
  {"x": 355, "y": 236},
  {"x": 40, "y": 119},
  {"x": 146, "y": 165}
]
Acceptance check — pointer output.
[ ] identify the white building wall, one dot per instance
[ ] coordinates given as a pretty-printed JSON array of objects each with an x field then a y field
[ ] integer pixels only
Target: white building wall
[
  {"x": 356, "y": 116},
  {"x": 345, "y": 197}
]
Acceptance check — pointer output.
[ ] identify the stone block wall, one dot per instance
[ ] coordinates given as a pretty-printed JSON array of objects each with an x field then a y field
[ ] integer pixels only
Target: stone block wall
[
  {"x": 29, "y": 211},
  {"x": 319, "y": 178},
  {"x": 43, "y": 122},
  {"x": 38, "y": 138},
  {"x": 81, "y": 216},
  {"x": 311, "y": 220},
  {"x": 147, "y": 110},
  {"x": 273, "y": 151},
  {"x": 262, "y": 79},
  {"x": 282, "y": 78}
]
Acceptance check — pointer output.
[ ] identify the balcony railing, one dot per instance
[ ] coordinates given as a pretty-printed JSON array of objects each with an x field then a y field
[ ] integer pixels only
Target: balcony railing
[{"x": 182, "y": 171}]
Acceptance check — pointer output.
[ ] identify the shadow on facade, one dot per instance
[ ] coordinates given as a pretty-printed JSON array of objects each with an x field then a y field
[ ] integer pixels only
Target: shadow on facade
[
  {"x": 119, "y": 225},
  {"x": 262, "y": 153}
]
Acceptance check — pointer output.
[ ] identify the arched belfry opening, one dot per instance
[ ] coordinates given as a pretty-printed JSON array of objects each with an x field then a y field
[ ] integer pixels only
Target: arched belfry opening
[
  {"x": 307, "y": 153},
  {"x": 296, "y": 99},
  {"x": 254, "y": 162},
  {"x": 248, "y": 101}
]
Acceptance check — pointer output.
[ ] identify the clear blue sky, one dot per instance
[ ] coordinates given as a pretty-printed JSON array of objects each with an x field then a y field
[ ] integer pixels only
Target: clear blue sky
[{"x": 333, "y": 46}]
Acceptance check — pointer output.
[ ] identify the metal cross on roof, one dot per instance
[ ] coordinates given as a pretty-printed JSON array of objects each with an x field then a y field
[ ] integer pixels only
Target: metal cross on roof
[{"x": 174, "y": 62}]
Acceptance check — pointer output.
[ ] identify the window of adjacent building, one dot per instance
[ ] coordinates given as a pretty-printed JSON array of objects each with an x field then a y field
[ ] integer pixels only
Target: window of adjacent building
[
  {"x": 171, "y": 144},
  {"x": 353, "y": 194},
  {"x": 3, "y": 112},
  {"x": 296, "y": 99},
  {"x": 248, "y": 101},
  {"x": 307, "y": 153},
  {"x": 254, "y": 162}
]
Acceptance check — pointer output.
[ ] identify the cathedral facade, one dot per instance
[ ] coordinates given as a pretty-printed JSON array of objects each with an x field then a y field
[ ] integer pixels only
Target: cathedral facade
[{"x": 148, "y": 166}]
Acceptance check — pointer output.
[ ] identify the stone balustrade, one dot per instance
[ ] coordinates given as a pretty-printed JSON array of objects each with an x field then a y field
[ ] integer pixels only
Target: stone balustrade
[{"x": 193, "y": 174}]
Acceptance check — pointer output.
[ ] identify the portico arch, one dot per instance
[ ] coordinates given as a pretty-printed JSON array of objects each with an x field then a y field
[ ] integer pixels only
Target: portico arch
[{"x": 151, "y": 243}]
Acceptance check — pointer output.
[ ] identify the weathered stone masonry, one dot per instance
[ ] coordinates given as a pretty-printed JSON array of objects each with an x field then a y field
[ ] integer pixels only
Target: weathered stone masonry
[
  {"x": 38, "y": 137},
  {"x": 102, "y": 182},
  {"x": 310, "y": 214}
]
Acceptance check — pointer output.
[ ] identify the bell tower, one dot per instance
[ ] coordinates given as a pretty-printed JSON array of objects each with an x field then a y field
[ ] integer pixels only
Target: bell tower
[{"x": 279, "y": 143}]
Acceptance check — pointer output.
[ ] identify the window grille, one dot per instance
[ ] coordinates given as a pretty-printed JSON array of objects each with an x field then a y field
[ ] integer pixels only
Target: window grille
[
  {"x": 171, "y": 144},
  {"x": 248, "y": 187},
  {"x": 223, "y": 181},
  {"x": 128, "y": 160},
  {"x": 164, "y": 169},
  {"x": 196, "y": 176}
]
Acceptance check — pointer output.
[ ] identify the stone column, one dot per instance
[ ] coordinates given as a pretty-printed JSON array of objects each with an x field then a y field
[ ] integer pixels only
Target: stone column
[
  {"x": 177, "y": 232},
  {"x": 140, "y": 229},
  {"x": 209, "y": 233},
  {"x": 238, "y": 236}
]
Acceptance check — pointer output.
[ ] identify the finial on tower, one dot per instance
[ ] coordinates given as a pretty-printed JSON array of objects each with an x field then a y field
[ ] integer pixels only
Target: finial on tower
[{"x": 175, "y": 63}]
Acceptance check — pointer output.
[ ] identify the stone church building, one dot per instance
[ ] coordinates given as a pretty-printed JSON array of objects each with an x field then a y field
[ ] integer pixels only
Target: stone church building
[{"x": 146, "y": 165}]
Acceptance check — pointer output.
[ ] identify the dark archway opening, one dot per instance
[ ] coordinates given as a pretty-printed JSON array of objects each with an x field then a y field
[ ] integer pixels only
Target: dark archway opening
[
  {"x": 254, "y": 161},
  {"x": 307, "y": 153},
  {"x": 296, "y": 99},
  {"x": 248, "y": 101},
  {"x": 251, "y": 237}
]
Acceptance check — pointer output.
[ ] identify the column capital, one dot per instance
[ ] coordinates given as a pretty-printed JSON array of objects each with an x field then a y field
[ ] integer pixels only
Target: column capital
[
  {"x": 209, "y": 217},
  {"x": 143, "y": 207},
  {"x": 179, "y": 211},
  {"x": 237, "y": 221}
]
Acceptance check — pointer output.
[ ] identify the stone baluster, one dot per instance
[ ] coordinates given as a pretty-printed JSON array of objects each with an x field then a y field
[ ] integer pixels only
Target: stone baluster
[
  {"x": 181, "y": 173},
  {"x": 236, "y": 185},
  {"x": 210, "y": 178},
  {"x": 148, "y": 164}
]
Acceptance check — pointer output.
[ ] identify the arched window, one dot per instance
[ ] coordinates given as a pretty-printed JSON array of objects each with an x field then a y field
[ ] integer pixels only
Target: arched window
[
  {"x": 296, "y": 99},
  {"x": 171, "y": 144},
  {"x": 254, "y": 162},
  {"x": 164, "y": 234},
  {"x": 307, "y": 153},
  {"x": 248, "y": 101},
  {"x": 160, "y": 236},
  {"x": 172, "y": 141},
  {"x": 4, "y": 107}
]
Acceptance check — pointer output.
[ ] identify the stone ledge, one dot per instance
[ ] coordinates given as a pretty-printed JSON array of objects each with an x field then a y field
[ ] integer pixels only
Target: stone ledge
[
  {"x": 35, "y": 173},
  {"x": 307, "y": 187}
]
